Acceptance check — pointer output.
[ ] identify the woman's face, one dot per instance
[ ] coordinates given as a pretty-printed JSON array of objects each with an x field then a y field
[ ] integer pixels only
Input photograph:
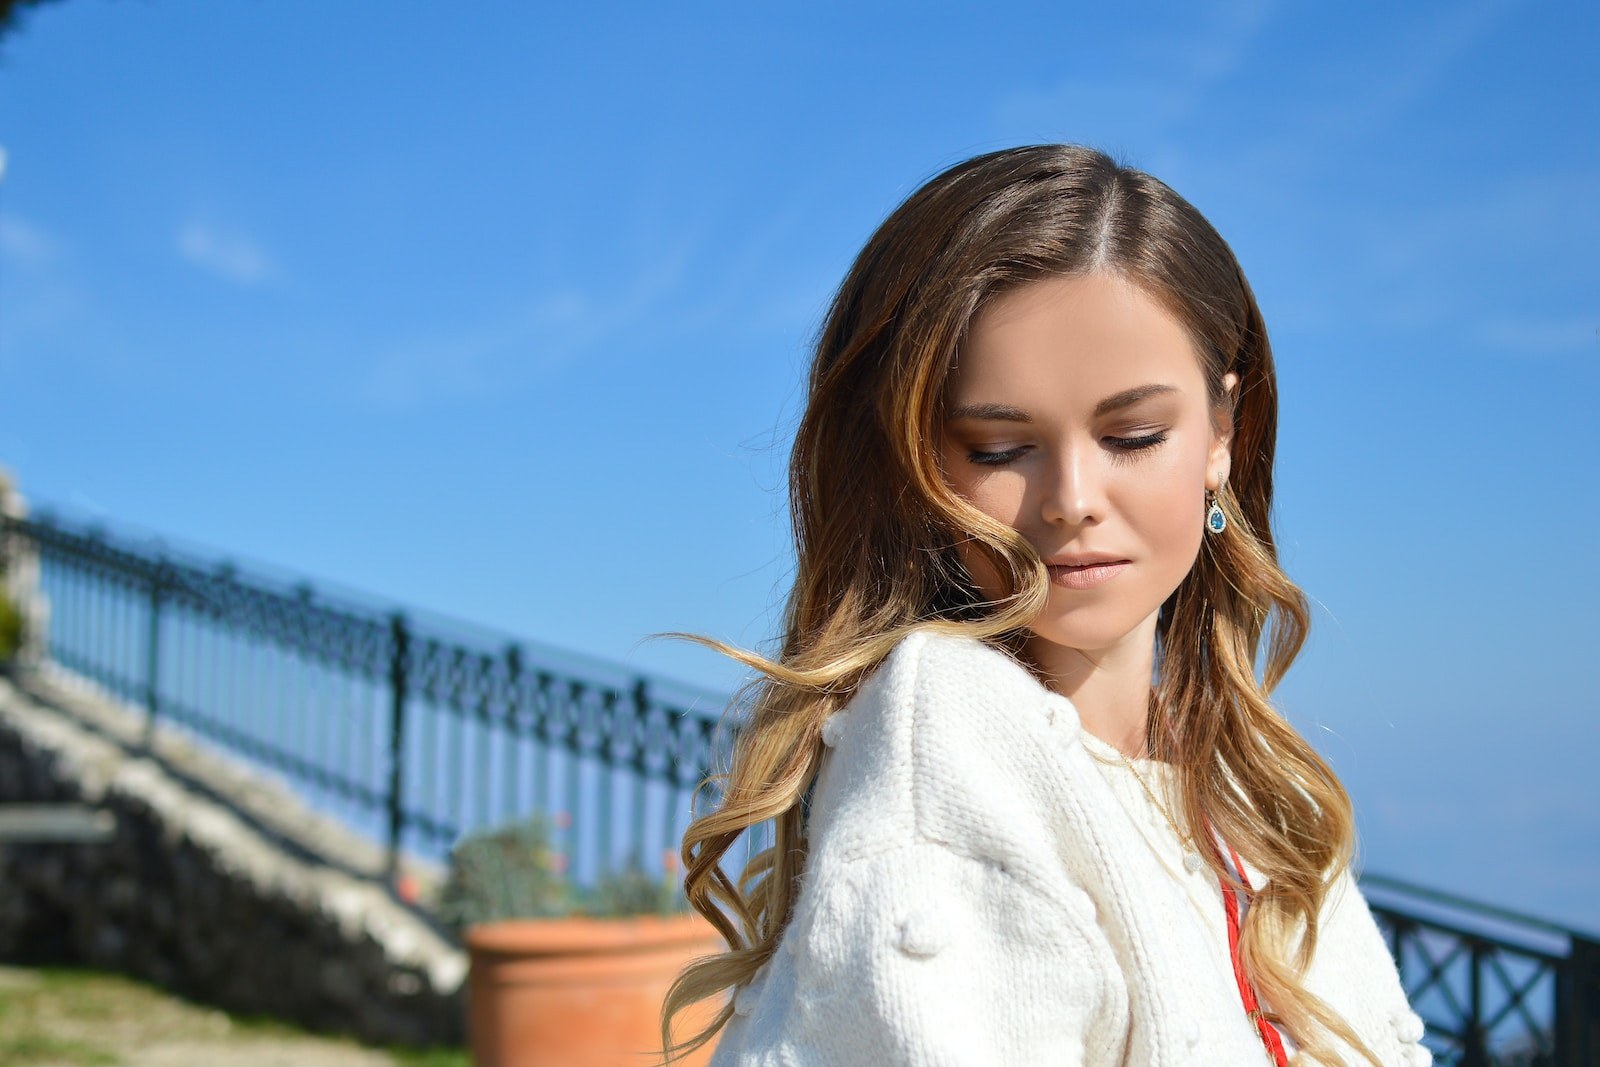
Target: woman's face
[{"x": 1077, "y": 415}]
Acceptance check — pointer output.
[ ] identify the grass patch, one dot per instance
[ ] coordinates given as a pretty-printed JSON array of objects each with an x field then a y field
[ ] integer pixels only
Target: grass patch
[
  {"x": 26, "y": 1048},
  {"x": 431, "y": 1057},
  {"x": 36, "y": 1025},
  {"x": 84, "y": 1018}
]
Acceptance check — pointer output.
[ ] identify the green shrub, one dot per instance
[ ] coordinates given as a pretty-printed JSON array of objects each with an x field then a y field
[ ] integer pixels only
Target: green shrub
[
  {"x": 512, "y": 872},
  {"x": 506, "y": 873},
  {"x": 632, "y": 891},
  {"x": 10, "y": 629}
]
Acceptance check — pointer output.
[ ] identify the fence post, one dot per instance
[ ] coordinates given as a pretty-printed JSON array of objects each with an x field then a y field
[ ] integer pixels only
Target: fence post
[
  {"x": 641, "y": 714},
  {"x": 1475, "y": 1044},
  {"x": 152, "y": 663},
  {"x": 399, "y": 658},
  {"x": 1577, "y": 1021},
  {"x": 513, "y": 739}
]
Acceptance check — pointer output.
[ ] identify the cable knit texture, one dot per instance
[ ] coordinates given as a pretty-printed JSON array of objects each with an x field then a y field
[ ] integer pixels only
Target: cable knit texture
[{"x": 980, "y": 891}]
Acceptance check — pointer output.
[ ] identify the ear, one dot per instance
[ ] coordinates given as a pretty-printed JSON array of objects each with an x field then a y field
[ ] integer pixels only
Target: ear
[{"x": 1220, "y": 458}]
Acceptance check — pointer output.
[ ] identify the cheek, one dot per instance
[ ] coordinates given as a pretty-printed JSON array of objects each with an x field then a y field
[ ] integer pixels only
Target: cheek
[
  {"x": 1169, "y": 512},
  {"x": 997, "y": 492},
  {"x": 997, "y": 498},
  {"x": 983, "y": 573}
]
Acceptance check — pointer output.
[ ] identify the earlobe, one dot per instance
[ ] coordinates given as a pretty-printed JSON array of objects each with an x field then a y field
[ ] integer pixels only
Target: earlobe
[{"x": 1220, "y": 461}]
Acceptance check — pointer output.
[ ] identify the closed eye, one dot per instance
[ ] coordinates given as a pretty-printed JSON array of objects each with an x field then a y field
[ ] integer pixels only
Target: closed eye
[
  {"x": 1137, "y": 444},
  {"x": 995, "y": 459},
  {"x": 1127, "y": 446}
]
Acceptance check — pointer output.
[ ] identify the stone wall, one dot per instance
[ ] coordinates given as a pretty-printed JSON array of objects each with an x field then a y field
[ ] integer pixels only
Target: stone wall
[{"x": 217, "y": 882}]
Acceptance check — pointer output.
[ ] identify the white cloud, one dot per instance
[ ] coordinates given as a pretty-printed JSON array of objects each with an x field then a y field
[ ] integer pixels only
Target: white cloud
[
  {"x": 1176, "y": 73},
  {"x": 42, "y": 294},
  {"x": 1548, "y": 336},
  {"x": 483, "y": 360},
  {"x": 1454, "y": 264},
  {"x": 230, "y": 255},
  {"x": 28, "y": 244},
  {"x": 1416, "y": 67}
]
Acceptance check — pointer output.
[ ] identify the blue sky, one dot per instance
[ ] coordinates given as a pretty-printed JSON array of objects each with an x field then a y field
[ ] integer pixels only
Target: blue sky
[{"x": 504, "y": 315}]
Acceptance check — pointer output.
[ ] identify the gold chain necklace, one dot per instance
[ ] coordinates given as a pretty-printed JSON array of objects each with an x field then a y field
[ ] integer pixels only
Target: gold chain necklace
[
  {"x": 1192, "y": 863},
  {"x": 1191, "y": 855}
]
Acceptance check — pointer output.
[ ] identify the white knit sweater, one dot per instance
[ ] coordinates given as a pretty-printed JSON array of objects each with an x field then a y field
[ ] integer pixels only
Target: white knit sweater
[{"x": 982, "y": 889}]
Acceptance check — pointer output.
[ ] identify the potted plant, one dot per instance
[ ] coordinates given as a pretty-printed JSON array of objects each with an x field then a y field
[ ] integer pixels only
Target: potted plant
[{"x": 561, "y": 974}]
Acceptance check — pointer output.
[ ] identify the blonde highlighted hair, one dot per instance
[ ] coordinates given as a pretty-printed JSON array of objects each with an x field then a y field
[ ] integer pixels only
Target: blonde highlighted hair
[{"x": 876, "y": 525}]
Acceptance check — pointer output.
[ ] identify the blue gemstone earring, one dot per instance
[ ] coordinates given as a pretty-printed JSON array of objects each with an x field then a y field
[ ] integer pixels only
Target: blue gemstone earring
[{"x": 1216, "y": 521}]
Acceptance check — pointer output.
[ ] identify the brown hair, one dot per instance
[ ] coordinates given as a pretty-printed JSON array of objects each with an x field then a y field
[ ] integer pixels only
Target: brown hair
[{"x": 875, "y": 526}]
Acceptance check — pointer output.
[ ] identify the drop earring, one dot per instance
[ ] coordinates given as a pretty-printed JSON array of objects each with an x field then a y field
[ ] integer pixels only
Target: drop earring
[{"x": 1216, "y": 521}]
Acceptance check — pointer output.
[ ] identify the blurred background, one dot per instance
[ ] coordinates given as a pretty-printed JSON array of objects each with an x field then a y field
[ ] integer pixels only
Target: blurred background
[{"x": 501, "y": 310}]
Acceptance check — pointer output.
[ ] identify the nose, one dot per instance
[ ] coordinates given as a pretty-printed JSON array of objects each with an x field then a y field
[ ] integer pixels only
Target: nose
[{"x": 1074, "y": 494}]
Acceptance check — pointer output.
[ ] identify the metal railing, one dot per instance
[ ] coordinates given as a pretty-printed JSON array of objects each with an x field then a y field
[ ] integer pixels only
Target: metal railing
[
  {"x": 421, "y": 734},
  {"x": 411, "y": 732},
  {"x": 1494, "y": 988}
]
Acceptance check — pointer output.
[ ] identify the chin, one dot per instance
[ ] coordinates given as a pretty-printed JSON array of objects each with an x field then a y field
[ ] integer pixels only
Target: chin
[{"x": 1089, "y": 635}]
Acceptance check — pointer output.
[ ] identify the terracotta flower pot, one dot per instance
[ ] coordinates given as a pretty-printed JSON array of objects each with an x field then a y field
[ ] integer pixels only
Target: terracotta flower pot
[{"x": 581, "y": 992}]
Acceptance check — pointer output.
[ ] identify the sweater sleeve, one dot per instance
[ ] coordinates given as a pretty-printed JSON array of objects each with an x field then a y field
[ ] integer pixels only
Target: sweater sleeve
[
  {"x": 919, "y": 955},
  {"x": 1354, "y": 966}
]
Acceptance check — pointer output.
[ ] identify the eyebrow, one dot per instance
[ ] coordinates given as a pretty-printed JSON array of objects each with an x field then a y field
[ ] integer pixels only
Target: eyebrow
[
  {"x": 1129, "y": 397},
  {"x": 1007, "y": 413}
]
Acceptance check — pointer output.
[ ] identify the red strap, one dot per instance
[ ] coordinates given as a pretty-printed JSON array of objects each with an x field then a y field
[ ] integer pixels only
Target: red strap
[{"x": 1247, "y": 993}]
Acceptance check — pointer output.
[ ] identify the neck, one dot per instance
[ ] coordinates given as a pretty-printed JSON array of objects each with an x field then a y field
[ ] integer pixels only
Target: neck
[{"x": 1109, "y": 687}]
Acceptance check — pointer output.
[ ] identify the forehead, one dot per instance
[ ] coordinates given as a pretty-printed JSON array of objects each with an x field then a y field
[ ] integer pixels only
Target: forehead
[{"x": 1074, "y": 340}]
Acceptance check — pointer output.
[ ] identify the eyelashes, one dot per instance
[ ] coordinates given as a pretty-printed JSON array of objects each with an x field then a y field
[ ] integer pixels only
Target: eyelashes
[
  {"x": 1123, "y": 449},
  {"x": 995, "y": 459},
  {"x": 1128, "y": 448}
]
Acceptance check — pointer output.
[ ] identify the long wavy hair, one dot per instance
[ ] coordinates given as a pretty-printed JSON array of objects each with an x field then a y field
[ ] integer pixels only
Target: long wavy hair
[{"x": 876, "y": 525}]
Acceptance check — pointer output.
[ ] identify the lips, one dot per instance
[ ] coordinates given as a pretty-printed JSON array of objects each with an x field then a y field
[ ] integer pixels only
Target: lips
[
  {"x": 1087, "y": 571},
  {"x": 1084, "y": 559}
]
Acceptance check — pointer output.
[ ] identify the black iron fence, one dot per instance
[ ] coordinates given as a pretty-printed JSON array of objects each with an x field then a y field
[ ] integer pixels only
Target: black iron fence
[
  {"x": 409, "y": 731},
  {"x": 417, "y": 734},
  {"x": 1493, "y": 987}
]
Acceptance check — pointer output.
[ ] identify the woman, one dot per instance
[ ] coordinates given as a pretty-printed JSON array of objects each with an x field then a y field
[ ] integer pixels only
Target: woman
[{"x": 1030, "y": 801}]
